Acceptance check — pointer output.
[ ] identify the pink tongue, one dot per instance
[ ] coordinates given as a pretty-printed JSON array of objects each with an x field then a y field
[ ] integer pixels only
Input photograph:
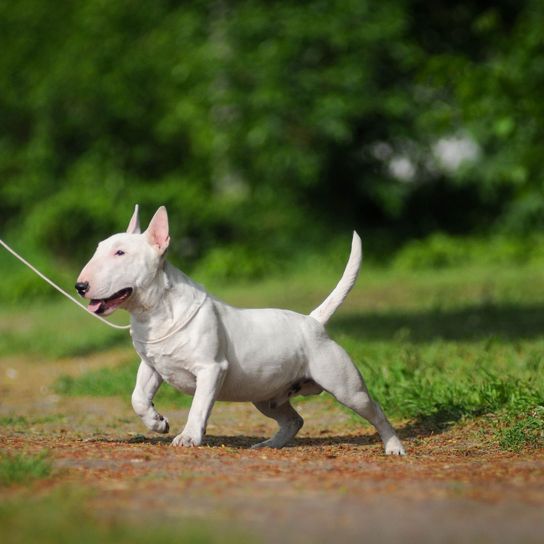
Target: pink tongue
[{"x": 94, "y": 305}]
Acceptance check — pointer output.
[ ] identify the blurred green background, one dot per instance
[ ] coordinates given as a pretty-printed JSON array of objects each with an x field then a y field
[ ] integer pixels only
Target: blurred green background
[{"x": 270, "y": 130}]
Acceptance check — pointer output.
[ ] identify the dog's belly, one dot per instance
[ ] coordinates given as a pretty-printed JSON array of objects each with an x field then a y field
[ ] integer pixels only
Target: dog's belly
[
  {"x": 254, "y": 388},
  {"x": 245, "y": 381},
  {"x": 267, "y": 351},
  {"x": 240, "y": 385},
  {"x": 279, "y": 394}
]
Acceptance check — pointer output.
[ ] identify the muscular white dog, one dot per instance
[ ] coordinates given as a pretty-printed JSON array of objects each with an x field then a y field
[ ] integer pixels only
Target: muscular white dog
[{"x": 214, "y": 351}]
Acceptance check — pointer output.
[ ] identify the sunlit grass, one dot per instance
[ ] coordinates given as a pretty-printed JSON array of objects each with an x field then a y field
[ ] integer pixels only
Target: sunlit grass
[{"x": 523, "y": 430}]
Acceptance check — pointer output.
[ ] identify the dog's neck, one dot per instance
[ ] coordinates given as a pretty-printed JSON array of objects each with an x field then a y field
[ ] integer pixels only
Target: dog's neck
[{"x": 156, "y": 309}]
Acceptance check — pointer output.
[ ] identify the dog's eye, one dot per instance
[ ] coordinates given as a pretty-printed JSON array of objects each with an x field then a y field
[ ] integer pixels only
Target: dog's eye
[{"x": 119, "y": 252}]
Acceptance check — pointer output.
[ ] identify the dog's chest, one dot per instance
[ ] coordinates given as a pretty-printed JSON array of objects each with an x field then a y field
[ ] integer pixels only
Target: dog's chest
[{"x": 173, "y": 368}]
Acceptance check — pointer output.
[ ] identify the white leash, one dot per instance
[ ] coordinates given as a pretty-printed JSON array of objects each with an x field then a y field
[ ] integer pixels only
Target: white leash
[
  {"x": 188, "y": 318},
  {"x": 59, "y": 289}
]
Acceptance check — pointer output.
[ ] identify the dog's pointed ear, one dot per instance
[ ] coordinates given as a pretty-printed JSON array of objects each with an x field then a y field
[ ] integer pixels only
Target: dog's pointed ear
[
  {"x": 134, "y": 225},
  {"x": 157, "y": 231}
]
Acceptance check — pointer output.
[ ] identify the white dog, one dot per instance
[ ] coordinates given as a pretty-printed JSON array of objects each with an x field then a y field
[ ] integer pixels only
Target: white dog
[{"x": 214, "y": 351}]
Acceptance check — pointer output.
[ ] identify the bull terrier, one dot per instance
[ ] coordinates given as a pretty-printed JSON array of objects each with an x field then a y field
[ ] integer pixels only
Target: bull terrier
[{"x": 213, "y": 351}]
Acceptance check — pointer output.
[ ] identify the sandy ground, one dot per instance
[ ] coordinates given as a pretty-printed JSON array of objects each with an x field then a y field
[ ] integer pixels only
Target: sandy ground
[{"x": 333, "y": 484}]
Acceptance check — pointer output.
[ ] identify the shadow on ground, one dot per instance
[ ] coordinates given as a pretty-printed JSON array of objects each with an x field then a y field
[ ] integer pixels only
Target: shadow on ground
[
  {"x": 418, "y": 428},
  {"x": 472, "y": 323}
]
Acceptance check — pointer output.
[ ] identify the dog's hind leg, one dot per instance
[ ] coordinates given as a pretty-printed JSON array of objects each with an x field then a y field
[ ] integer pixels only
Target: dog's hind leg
[
  {"x": 286, "y": 417},
  {"x": 148, "y": 382},
  {"x": 335, "y": 372}
]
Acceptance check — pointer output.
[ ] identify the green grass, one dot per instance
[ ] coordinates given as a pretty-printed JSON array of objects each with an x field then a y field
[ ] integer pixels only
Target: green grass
[
  {"x": 24, "y": 468},
  {"x": 523, "y": 430},
  {"x": 442, "y": 382},
  {"x": 13, "y": 421}
]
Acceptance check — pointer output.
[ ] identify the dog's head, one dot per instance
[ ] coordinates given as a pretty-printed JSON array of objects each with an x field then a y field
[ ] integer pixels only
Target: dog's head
[{"x": 124, "y": 264}]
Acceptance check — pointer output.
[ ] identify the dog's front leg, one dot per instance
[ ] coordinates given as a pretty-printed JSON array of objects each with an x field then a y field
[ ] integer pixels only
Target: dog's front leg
[
  {"x": 148, "y": 382},
  {"x": 209, "y": 380}
]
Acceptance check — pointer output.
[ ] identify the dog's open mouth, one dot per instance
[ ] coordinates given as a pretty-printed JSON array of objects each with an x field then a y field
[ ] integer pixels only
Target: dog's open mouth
[{"x": 105, "y": 306}]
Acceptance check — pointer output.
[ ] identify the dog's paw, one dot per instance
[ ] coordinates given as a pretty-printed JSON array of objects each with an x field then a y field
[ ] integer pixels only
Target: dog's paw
[
  {"x": 162, "y": 426},
  {"x": 186, "y": 440},
  {"x": 157, "y": 423},
  {"x": 394, "y": 447}
]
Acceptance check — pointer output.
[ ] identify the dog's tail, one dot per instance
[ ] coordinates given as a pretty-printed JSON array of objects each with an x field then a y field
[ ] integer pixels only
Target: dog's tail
[{"x": 325, "y": 310}]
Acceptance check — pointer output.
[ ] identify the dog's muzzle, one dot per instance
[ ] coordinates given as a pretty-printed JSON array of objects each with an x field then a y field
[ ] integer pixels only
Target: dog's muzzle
[{"x": 82, "y": 287}]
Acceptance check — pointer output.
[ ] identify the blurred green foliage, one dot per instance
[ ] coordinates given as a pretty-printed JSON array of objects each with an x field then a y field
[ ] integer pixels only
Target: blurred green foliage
[
  {"x": 66, "y": 514},
  {"x": 267, "y": 127},
  {"x": 442, "y": 251}
]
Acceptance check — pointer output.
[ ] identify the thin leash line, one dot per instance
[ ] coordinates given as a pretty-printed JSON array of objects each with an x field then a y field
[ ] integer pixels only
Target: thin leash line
[
  {"x": 189, "y": 317},
  {"x": 59, "y": 289}
]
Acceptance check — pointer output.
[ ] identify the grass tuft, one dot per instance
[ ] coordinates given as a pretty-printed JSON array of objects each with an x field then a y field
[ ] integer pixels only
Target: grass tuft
[
  {"x": 24, "y": 468},
  {"x": 525, "y": 431}
]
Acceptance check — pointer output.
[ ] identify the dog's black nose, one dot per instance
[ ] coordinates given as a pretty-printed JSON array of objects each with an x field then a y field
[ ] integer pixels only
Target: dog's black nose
[{"x": 82, "y": 287}]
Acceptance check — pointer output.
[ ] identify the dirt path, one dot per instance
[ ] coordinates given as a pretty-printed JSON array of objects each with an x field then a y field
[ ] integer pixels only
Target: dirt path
[{"x": 332, "y": 485}]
